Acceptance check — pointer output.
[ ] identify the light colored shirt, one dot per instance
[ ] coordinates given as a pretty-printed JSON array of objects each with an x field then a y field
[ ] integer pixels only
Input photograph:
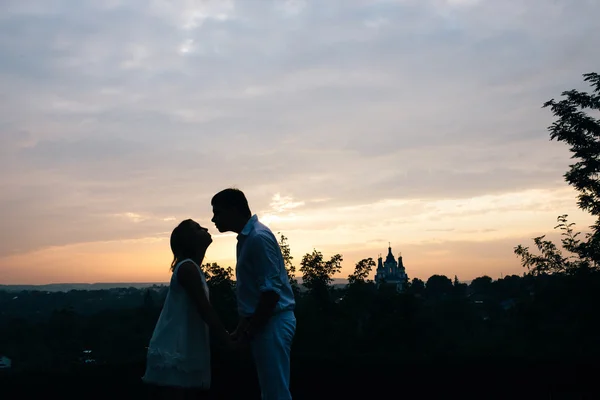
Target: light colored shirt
[
  {"x": 260, "y": 268},
  {"x": 179, "y": 350}
]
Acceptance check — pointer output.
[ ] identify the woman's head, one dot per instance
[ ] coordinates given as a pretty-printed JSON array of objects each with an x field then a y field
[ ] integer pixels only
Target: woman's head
[{"x": 188, "y": 240}]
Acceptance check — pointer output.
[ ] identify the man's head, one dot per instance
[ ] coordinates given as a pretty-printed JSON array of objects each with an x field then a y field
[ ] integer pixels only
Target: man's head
[{"x": 230, "y": 210}]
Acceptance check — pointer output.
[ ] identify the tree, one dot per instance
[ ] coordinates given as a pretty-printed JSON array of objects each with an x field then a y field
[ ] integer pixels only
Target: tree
[
  {"x": 575, "y": 127},
  {"x": 460, "y": 289},
  {"x": 287, "y": 261},
  {"x": 358, "y": 300},
  {"x": 482, "y": 284},
  {"x": 148, "y": 307},
  {"x": 551, "y": 259},
  {"x": 417, "y": 286},
  {"x": 217, "y": 276},
  {"x": 222, "y": 291},
  {"x": 361, "y": 271},
  {"x": 148, "y": 299},
  {"x": 317, "y": 274},
  {"x": 438, "y": 285}
]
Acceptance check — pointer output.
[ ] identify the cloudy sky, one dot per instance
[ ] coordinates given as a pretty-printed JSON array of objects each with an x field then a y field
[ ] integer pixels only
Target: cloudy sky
[{"x": 348, "y": 123}]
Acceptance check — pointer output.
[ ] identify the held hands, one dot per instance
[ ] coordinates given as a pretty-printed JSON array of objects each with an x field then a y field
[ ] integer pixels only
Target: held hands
[
  {"x": 226, "y": 340},
  {"x": 231, "y": 341},
  {"x": 238, "y": 340},
  {"x": 240, "y": 337}
]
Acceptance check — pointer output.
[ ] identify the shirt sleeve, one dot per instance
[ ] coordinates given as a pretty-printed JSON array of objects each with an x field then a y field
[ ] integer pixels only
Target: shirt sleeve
[{"x": 268, "y": 264}]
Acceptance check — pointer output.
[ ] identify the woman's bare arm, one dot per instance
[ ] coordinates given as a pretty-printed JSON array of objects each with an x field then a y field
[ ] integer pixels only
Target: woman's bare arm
[{"x": 189, "y": 278}]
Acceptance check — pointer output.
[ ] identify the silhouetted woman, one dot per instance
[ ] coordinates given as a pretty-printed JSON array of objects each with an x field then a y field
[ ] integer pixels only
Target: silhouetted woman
[{"x": 178, "y": 360}]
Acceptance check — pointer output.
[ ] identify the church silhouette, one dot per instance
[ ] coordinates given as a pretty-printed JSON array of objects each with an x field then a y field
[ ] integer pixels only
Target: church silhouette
[{"x": 391, "y": 271}]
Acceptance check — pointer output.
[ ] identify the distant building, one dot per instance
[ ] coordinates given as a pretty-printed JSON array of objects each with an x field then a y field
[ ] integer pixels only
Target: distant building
[
  {"x": 5, "y": 362},
  {"x": 391, "y": 271}
]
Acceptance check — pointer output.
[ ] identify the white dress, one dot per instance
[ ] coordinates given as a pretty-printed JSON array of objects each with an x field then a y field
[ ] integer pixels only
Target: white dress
[{"x": 179, "y": 350}]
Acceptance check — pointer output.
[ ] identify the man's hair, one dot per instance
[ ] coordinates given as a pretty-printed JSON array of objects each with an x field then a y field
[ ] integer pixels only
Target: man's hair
[{"x": 232, "y": 198}]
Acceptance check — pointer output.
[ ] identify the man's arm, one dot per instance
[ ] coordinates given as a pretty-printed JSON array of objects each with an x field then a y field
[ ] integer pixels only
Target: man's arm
[
  {"x": 267, "y": 259},
  {"x": 266, "y": 304}
]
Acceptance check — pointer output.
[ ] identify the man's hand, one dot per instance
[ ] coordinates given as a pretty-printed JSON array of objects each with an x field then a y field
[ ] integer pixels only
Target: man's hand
[
  {"x": 239, "y": 341},
  {"x": 239, "y": 330}
]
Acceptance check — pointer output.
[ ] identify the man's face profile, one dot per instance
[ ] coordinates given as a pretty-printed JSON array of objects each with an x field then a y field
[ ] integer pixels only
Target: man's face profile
[{"x": 222, "y": 218}]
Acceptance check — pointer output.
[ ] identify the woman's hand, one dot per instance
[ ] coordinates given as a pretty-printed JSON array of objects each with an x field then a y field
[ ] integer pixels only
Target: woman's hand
[{"x": 227, "y": 341}]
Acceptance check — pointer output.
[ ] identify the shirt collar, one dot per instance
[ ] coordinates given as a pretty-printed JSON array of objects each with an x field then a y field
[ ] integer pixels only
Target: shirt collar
[{"x": 249, "y": 226}]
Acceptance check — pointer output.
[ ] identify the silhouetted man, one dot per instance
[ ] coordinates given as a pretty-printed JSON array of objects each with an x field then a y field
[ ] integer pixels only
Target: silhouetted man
[{"x": 264, "y": 294}]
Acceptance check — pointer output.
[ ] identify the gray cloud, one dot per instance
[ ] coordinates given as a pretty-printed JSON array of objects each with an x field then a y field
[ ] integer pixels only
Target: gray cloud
[{"x": 150, "y": 107}]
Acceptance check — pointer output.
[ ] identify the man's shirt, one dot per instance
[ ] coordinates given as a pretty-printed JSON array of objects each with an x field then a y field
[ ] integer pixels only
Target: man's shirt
[{"x": 260, "y": 268}]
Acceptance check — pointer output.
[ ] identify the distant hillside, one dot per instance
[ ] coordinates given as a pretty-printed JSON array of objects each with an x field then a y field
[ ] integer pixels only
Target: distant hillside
[{"x": 65, "y": 287}]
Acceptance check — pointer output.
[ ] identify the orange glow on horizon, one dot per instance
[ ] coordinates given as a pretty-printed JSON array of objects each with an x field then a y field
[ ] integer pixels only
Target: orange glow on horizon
[{"x": 467, "y": 238}]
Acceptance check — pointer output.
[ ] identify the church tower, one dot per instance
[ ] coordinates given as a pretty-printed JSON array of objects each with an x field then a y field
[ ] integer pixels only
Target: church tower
[{"x": 391, "y": 271}]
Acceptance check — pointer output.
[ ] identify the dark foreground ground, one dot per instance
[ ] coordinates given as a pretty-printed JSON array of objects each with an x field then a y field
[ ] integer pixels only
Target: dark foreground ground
[{"x": 341, "y": 379}]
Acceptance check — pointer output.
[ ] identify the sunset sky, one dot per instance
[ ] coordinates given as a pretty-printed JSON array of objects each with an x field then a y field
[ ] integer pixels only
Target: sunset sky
[{"x": 348, "y": 123}]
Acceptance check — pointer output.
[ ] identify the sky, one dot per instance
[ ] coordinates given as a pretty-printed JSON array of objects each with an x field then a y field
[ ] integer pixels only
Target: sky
[{"x": 349, "y": 124}]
